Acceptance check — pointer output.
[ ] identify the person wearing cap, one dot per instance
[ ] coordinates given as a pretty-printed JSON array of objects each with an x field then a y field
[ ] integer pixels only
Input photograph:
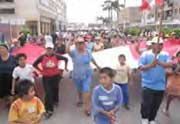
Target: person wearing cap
[
  {"x": 98, "y": 45},
  {"x": 7, "y": 65},
  {"x": 140, "y": 51},
  {"x": 82, "y": 72},
  {"x": 160, "y": 43},
  {"x": 153, "y": 64},
  {"x": 51, "y": 76},
  {"x": 173, "y": 34}
]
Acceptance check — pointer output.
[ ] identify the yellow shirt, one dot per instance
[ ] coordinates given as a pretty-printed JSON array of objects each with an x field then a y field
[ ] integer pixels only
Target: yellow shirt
[
  {"x": 122, "y": 73},
  {"x": 26, "y": 110}
]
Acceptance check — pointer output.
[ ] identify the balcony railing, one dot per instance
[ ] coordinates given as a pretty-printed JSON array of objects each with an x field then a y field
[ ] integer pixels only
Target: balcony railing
[
  {"x": 7, "y": 4},
  {"x": 7, "y": 11},
  {"x": 9, "y": 1}
]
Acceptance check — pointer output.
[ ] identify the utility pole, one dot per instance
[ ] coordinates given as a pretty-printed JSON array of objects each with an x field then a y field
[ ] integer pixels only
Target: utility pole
[
  {"x": 124, "y": 21},
  {"x": 118, "y": 14}
]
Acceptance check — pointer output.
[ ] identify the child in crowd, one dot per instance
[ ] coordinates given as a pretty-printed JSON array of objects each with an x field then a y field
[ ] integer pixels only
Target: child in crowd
[
  {"x": 173, "y": 83},
  {"x": 106, "y": 98},
  {"x": 22, "y": 71},
  {"x": 122, "y": 78},
  {"x": 27, "y": 109}
]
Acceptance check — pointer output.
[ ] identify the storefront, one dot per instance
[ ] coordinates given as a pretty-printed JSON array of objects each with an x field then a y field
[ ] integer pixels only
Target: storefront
[
  {"x": 32, "y": 25},
  {"x": 44, "y": 26}
]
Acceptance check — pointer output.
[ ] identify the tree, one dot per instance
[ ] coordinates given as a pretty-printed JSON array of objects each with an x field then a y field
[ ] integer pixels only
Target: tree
[
  {"x": 117, "y": 8},
  {"x": 105, "y": 20},
  {"x": 107, "y": 6},
  {"x": 111, "y": 6}
]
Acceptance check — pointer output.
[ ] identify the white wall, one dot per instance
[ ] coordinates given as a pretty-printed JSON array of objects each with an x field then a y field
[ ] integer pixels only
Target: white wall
[{"x": 27, "y": 9}]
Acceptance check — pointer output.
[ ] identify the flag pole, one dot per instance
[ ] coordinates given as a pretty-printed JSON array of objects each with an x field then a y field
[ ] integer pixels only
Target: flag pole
[{"x": 161, "y": 21}]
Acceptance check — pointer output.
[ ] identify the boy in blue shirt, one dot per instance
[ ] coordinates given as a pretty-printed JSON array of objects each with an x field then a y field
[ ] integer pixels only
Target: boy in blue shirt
[
  {"x": 106, "y": 99},
  {"x": 153, "y": 64}
]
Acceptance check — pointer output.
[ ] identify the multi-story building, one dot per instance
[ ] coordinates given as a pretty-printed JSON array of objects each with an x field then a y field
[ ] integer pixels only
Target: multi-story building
[
  {"x": 171, "y": 13},
  {"x": 40, "y": 16},
  {"x": 130, "y": 16}
]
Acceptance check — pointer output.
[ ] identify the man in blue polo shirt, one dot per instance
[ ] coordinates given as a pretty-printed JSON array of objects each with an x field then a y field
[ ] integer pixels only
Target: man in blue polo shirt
[{"x": 153, "y": 64}]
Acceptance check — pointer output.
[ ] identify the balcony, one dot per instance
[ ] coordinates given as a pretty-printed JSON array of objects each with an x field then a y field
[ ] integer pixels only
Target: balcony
[
  {"x": 7, "y": 11},
  {"x": 4, "y": 1},
  {"x": 7, "y": 4}
]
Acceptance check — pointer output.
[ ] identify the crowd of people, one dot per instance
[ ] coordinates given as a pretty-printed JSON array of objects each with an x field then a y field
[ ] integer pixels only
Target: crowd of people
[{"x": 17, "y": 77}]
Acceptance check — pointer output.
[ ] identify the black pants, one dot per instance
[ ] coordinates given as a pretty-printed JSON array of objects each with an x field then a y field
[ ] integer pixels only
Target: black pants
[
  {"x": 151, "y": 101},
  {"x": 5, "y": 85},
  {"x": 51, "y": 87}
]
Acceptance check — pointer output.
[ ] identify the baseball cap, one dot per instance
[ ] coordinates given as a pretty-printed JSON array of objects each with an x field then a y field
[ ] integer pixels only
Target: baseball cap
[
  {"x": 167, "y": 35},
  {"x": 173, "y": 33},
  {"x": 149, "y": 43},
  {"x": 4, "y": 45},
  {"x": 155, "y": 40},
  {"x": 49, "y": 45}
]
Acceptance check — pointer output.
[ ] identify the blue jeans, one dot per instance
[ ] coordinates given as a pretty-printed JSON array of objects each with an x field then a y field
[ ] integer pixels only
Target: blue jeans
[{"x": 125, "y": 91}]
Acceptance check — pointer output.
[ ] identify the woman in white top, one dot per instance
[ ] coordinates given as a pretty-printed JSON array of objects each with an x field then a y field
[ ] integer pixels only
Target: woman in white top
[{"x": 22, "y": 71}]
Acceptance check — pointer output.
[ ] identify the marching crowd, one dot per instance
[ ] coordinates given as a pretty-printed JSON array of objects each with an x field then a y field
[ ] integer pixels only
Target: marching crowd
[{"x": 159, "y": 73}]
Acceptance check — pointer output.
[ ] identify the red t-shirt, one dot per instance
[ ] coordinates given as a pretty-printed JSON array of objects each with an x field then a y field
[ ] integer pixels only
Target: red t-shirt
[{"x": 50, "y": 64}]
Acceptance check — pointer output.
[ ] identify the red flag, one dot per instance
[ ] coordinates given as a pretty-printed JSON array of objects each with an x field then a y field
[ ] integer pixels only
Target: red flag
[
  {"x": 159, "y": 2},
  {"x": 145, "y": 5}
]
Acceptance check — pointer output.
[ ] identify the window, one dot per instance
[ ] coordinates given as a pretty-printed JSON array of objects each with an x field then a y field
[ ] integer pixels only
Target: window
[
  {"x": 6, "y": 0},
  {"x": 175, "y": 11},
  {"x": 7, "y": 11}
]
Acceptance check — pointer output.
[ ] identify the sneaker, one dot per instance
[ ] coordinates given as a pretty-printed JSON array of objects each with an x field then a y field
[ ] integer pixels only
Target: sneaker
[
  {"x": 48, "y": 115},
  {"x": 79, "y": 104},
  {"x": 153, "y": 122},
  {"x": 87, "y": 113},
  {"x": 145, "y": 121}
]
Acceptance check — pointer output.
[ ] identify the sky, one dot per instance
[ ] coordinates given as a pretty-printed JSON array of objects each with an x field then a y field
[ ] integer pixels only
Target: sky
[{"x": 86, "y": 11}]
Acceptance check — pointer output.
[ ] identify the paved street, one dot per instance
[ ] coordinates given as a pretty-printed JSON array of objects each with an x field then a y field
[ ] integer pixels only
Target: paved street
[{"x": 68, "y": 113}]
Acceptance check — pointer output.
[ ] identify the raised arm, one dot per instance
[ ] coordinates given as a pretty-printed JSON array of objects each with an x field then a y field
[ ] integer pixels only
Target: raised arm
[{"x": 68, "y": 48}]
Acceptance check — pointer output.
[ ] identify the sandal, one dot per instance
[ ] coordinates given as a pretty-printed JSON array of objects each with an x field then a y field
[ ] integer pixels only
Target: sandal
[
  {"x": 79, "y": 104},
  {"x": 48, "y": 115},
  {"x": 87, "y": 113}
]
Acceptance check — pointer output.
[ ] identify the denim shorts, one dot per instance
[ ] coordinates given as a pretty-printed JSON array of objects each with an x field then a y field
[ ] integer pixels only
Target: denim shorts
[{"x": 83, "y": 85}]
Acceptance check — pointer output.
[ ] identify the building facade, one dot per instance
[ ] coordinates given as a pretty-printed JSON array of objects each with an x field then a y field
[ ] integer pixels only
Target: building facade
[
  {"x": 130, "y": 16},
  {"x": 40, "y": 16},
  {"x": 171, "y": 13}
]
